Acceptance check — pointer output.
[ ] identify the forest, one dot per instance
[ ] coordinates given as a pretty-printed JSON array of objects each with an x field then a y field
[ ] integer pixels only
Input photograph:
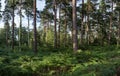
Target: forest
[{"x": 59, "y": 37}]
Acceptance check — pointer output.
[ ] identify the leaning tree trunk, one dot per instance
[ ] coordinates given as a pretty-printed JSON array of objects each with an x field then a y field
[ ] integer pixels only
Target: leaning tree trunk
[
  {"x": 55, "y": 29},
  {"x": 75, "y": 40},
  {"x": 35, "y": 29}
]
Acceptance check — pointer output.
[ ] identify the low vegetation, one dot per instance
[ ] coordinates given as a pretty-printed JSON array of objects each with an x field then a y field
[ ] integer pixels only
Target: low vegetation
[{"x": 94, "y": 61}]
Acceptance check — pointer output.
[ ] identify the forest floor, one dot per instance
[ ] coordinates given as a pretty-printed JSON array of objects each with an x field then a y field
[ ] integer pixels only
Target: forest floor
[{"x": 90, "y": 61}]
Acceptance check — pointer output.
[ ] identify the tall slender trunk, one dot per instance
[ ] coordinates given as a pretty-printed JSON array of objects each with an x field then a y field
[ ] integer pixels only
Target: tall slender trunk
[
  {"x": 45, "y": 31},
  {"x": 82, "y": 21},
  {"x": 7, "y": 33},
  {"x": 35, "y": 29},
  {"x": 7, "y": 36},
  {"x": 65, "y": 30},
  {"x": 75, "y": 44},
  {"x": 119, "y": 29},
  {"x": 59, "y": 26},
  {"x": 111, "y": 21},
  {"x": 48, "y": 24},
  {"x": 88, "y": 29},
  {"x": 88, "y": 25},
  {"x": 102, "y": 33},
  {"x": 85, "y": 28},
  {"x": 118, "y": 40},
  {"x": 13, "y": 27},
  {"x": 55, "y": 29},
  {"x": 110, "y": 29},
  {"x": 28, "y": 31},
  {"x": 20, "y": 29}
]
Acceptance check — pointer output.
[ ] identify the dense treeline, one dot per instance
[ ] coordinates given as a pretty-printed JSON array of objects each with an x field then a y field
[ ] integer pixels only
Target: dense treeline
[{"x": 91, "y": 22}]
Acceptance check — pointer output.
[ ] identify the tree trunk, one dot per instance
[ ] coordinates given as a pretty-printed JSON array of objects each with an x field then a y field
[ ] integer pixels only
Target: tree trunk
[
  {"x": 28, "y": 31},
  {"x": 88, "y": 25},
  {"x": 59, "y": 26},
  {"x": 55, "y": 31},
  {"x": 13, "y": 27},
  {"x": 111, "y": 21},
  {"x": 20, "y": 29},
  {"x": 87, "y": 29},
  {"x": 7, "y": 35},
  {"x": 82, "y": 21},
  {"x": 110, "y": 30},
  {"x": 75, "y": 40},
  {"x": 118, "y": 39},
  {"x": 65, "y": 31},
  {"x": 35, "y": 29},
  {"x": 45, "y": 31}
]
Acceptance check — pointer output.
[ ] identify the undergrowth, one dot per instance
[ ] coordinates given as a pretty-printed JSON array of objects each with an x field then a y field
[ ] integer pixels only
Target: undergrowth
[{"x": 94, "y": 61}]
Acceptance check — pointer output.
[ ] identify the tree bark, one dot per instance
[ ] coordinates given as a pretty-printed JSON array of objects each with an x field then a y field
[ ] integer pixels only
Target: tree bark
[
  {"x": 118, "y": 39},
  {"x": 87, "y": 29},
  {"x": 65, "y": 31},
  {"x": 6, "y": 38},
  {"x": 28, "y": 31},
  {"x": 35, "y": 29},
  {"x": 82, "y": 21},
  {"x": 59, "y": 26},
  {"x": 13, "y": 26},
  {"x": 111, "y": 21},
  {"x": 75, "y": 40},
  {"x": 55, "y": 31},
  {"x": 20, "y": 29}
]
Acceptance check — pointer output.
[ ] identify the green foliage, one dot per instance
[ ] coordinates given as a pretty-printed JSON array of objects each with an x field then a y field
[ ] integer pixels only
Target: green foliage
[
  {"x": 49, "y": 37},
  {"x": 95, "y": 62},
  {"x": 2, "y": 37}
]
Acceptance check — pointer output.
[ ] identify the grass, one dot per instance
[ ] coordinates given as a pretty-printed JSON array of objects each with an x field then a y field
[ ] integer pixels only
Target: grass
[{"x": 93, "y": 61}]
